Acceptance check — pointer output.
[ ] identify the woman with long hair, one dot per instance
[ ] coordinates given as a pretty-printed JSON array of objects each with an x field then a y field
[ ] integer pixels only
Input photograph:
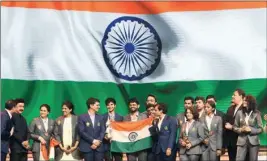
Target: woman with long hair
[
  {"x": 41, "y": 131},
  {"x": 66, "y": 133},
  {"x": 191, "y": 136},
  {"x": 248, "y": 125}
]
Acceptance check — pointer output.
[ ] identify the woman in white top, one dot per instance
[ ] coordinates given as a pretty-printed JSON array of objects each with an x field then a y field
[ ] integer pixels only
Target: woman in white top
[
  {"x": 191, "y": 136},
  {"x": 66, "y": 133}
]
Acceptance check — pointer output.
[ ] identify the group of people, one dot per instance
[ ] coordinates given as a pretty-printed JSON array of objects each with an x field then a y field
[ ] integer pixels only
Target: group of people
[{"x": 200, "y": 133}]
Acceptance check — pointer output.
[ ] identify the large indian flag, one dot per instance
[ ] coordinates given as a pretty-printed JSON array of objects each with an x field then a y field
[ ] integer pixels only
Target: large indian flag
[
  {"x": 53, "y": 51},
  {"x": 129, "y": 137}
]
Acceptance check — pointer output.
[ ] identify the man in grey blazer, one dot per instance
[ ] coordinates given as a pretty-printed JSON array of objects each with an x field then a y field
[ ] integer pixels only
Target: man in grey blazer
[
  {"x": 135, "y": 115},
  {"x": 213, "y": 129},
  {"x": 41, "y": 130}
]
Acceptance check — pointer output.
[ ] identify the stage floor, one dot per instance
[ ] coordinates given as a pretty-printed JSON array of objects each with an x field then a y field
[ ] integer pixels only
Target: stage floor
[{"x": 262, "y": 156}]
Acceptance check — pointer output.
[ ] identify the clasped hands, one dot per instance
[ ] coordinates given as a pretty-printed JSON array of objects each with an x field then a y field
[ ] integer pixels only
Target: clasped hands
[
  {"x": 186, "y": 144},
  {"x": 68, "y": 150},
  {"x": 96, "y": 144},
  {"x": 246, "y": 129}
]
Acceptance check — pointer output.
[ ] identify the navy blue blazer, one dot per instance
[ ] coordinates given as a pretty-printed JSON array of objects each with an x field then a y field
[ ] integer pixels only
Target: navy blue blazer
[
  {"x": 6, "y": 126},
  {"x": 118, "y": 118},
  {"x": 88, "y": 132},
  {"x": 166, "y": 136}
]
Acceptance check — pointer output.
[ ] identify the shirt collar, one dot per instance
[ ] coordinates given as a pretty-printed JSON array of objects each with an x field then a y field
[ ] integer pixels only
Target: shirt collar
[
  {"x": 163, "y": 116},
  {"x": 91, "y": 114},
  {"x": 46, "y": 119},
  {"x": 9, "y": 113},
  {"x": 211, "y": 116}
]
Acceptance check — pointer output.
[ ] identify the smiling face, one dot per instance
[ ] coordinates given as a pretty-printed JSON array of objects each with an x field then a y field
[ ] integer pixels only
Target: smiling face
[
  {"x": 133, "y": 106},
  {"x": 95, "y": 107},
  {"x": 111, "y": 107},
  {"x": 189, "y": 115},
  {"x": 66, "y": 111},
  {"x": 44, "y": 112}
]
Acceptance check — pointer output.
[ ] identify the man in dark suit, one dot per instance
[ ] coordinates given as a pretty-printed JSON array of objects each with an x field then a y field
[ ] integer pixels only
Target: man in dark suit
[
  {"x": 19, "y": 144},
  {"x": 164, "y": 146},
  {"x": 231, "y": 137},
  {"x": 92, "y": 131},
  {"x": 6, "y": 126},
  {"x": 107, "y": 117}
]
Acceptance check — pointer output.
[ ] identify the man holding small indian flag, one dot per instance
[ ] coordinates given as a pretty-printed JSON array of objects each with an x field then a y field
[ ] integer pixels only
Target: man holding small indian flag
[{"x": 132, "y": 136}]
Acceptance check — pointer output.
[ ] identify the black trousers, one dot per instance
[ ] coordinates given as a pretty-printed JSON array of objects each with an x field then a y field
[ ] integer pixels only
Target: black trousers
[{"x": 18, "y": 156}]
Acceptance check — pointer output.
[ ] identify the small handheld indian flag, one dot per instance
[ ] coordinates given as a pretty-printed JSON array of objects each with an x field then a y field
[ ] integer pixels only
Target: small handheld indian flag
[
  {"x": 53, "y": 143},
  {"x": 129, "y": 137}
]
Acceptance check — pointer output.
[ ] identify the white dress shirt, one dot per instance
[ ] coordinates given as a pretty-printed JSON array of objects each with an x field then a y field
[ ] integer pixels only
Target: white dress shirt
[
  {"x": 188, "y": 125},
  {"x": 45, "y": 121},
  {"x": 160, "y": 121},
  {"x": 208, "y": 120},
  {"x": 134, "y": 117},
  {"x": 92, "y": 117}
]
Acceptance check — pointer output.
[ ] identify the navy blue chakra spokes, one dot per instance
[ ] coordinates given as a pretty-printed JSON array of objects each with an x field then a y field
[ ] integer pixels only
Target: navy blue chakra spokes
[{"x": 131, "y": 48}]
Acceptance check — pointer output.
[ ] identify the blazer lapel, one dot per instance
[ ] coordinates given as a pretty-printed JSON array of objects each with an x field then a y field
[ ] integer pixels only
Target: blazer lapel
[
  {"x": 206, "y": 123},
  {"x": 89, "y": 120},
  {"x": 42, "y": 124},
  {"x": 163, "y": 123},
  {"x": 50, "y": 125},
  {"x": 73, "y": 124},
  {"x": 96, "y": 120},
  {"x": 192, "y": 126},
  {"x": 61, "y": 125}
]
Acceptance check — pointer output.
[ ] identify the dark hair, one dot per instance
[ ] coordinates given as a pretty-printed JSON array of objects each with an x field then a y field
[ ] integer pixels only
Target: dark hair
[
  {"x": 69, "y": 105},
  {"x": 109, "y": 100},
  {"x": 150, "y": 105},
  {"x": 189, "y": 98},
  {"x": 200, "y": 98},
  {"x": 194, "y": 112},
  {"x": 19, "y": 100},
  {"x": 211, "y": 96},
  {"x": 46, "y": 106},
  {"x": 151, "y": 95},
  {"x": 91, "y": 101},
  {"x": 10, "y": 104},
  {"x": 133, "y": 100},
  {"x": 162, "y": 107},
  {"x": 251, "y": 103},
  {"x": 241, "y": 92},
  {"x": 212, "y": 104}
]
